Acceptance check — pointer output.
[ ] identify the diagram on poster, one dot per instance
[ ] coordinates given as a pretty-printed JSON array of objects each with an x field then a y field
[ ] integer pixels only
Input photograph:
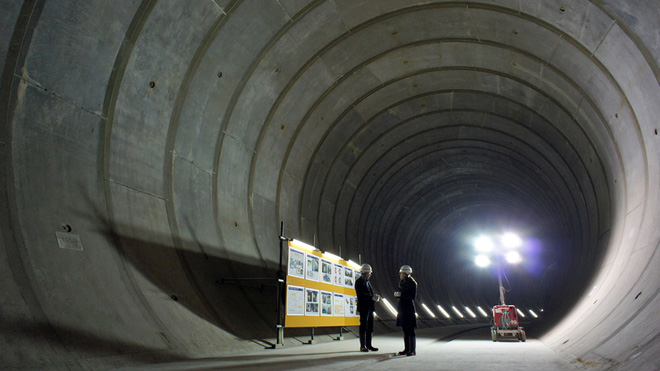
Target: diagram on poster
[
  {"x": 311, "y": 302},
  {"x": 326, "y": 303},
  {"x": 339, "y": 305},
  {"x": 348, "y": 277},
  {"x": 295, "y": 301},
  {"x": 296, "y": 263},
  {"x": 350, "y": 309},
  {"x": 312, "y": 267},
  {"x": 326, "y": 271},
  {"x": 339, "y": 275}
]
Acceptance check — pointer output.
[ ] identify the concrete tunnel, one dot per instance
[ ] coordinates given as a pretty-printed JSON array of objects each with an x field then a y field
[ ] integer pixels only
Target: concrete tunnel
[{"x": 151, "y": 150}]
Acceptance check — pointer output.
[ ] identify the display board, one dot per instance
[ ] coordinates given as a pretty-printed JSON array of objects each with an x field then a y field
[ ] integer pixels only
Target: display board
[{"x": 320, "y": 289}]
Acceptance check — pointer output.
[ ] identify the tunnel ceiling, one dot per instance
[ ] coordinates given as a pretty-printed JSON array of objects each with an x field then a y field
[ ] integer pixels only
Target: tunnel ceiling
[
  {"x": 175, "y": 138},
  {"x": 401, "y": 132}
]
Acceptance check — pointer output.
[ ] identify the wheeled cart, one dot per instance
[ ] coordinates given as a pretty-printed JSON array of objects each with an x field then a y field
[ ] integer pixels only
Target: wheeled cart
[{"x": 505, "y": 324}]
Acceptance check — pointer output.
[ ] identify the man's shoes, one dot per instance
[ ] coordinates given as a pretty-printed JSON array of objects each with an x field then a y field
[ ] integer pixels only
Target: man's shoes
[
  {"x": 364, "y": 349},
  {"x": 411, "y": 354},
  {"x": 403, "y": 353},
  {"x": 373, "y": 349}
]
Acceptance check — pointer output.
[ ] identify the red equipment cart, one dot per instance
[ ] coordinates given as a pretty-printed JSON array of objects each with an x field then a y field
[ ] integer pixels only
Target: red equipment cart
[{"x": 506, "y": 324}]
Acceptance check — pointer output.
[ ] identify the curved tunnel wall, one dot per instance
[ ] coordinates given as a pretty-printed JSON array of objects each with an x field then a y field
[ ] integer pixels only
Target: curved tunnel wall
[{"x": 173, "y": 138}]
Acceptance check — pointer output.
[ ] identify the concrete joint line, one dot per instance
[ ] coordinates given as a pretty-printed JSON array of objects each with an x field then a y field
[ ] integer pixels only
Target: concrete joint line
[
  {"x": 238, "y": 141},
  {"x": 36, "y": 84},
  {"x": 136, "y": 189},
  {"x": 603, "y": 38},
  {"x": 476, "y": 32},
  {"x": 554, "y": 49},
  {"x": 176, "y": 155},
  {"x": 219, "y": 7}
]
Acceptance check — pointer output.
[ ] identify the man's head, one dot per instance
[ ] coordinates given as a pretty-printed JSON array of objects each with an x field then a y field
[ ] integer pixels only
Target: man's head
[
  {"x": 405, "y": 271},
  {"x": 366, "y": 270}
]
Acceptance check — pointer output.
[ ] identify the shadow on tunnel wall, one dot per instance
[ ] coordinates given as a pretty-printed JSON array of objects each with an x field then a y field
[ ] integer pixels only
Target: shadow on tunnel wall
[{"x": 235, "y": 296}]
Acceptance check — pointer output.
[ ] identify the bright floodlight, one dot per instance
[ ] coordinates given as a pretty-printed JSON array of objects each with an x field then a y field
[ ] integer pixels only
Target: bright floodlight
[
  {"x": 511, "y": 241},
  {"x": 484, "y": 244},
  {"x": 533, "y": 314},
  {"x": 513, "y": 257},
  {"x": 521, "y": 313},
  {"x": 482, "y": 260},
  {"x": 470, "y": 312}
]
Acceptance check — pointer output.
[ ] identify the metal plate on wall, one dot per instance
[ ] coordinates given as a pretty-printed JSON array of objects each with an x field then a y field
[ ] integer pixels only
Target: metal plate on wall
[{"x": 69, "y": 241}]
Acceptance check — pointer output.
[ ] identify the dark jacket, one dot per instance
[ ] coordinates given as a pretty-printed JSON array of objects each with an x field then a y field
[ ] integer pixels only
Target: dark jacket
[
  {"x": 365, "y": 295},
  {"x": 406, "y": 309}
]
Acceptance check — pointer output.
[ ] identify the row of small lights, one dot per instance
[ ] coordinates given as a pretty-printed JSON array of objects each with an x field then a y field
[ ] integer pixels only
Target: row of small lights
[
  {"x": 389, "y": 306},
  {"x": 458, "y": 312}
]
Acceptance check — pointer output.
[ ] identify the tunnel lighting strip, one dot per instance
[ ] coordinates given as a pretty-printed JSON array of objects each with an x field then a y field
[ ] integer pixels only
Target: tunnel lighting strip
[
  {"x": 457, "y": 312},
  {"x": 428, "y": 310},
  {"x": 332, "y": 256},
  {"x": 521, "y": 313},
  {"x": 482, "y": 312},
  {"x": 390, "y": 307},
  {"x": 354, "y": 264},
  {"x": 444, "y": 312},
  {"x": 302, "y": 245},
  {"x": 471, "y": 312},
  {"x": 533, "y": 314}
]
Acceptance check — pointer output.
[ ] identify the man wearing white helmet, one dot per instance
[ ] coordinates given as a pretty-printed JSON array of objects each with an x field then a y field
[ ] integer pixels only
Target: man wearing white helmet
[
  {"x": 366, "y": 300},
  {"x": 406, "y": 317}
]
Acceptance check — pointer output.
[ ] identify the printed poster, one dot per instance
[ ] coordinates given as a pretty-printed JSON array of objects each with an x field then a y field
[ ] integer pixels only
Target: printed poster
[
  {"x": 350, "y": 306},
  {"x": 313, "y": 267},
  {"x": 339, "y": 275},
  {"x": 326, "y": 271},
  {"x": 295, "y": 301},
  {"x": 348, "y": 277},
  {"x": 296, "y": 263},
  {"x": 339, "y": 305},
  {"x": 311, "y": 302},
  {"x": 326, "y": 303}
]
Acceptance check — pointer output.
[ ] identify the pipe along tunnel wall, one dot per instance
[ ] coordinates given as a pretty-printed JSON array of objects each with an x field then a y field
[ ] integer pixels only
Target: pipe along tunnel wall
[{"x": 172, "y": 137}]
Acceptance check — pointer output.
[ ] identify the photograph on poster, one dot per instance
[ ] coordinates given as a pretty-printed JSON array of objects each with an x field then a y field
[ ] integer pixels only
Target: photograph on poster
[
  {"x": 326, "y": 303},
  {"x": 326, "y": 271},
  {"x": 311, "y": 302},
  {"x": 313, "y": 266},
  {"x": 349, "y": 306},
  {"x": 296, "y": 263},
  {"x": 339, "y": 275},
  {"x": 295, "y": 301},
  {"x": 348, "y": 277},
  {"x": 339, "y": 305}
]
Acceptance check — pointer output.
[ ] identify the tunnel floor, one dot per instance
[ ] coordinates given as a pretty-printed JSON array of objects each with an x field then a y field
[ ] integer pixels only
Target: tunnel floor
[{"x": 471, "y": 350}]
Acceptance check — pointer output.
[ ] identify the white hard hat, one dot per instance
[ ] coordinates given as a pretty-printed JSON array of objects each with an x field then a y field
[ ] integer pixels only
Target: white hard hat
[
  {"x": 405, "y": 269},
  {"x": 366, "y": 268}
]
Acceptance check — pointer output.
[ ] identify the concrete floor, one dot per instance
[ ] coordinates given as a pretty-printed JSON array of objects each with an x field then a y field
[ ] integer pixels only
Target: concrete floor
[{"x": 472, "y": 350}]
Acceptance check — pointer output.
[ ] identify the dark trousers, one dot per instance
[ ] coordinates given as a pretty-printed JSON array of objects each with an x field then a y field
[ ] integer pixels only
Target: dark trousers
[
  {"x": 366, "y": 322},
  {"x": 408, "y": 331},
  {"x": 366, "y": 329}
]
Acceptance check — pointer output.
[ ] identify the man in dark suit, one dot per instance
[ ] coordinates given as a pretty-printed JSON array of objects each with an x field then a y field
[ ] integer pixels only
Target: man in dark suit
[{"x": 366, "y": 300}]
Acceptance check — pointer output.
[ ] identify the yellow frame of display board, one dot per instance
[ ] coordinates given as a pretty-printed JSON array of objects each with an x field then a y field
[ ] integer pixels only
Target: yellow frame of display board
[{"x": 319, "y": 321}]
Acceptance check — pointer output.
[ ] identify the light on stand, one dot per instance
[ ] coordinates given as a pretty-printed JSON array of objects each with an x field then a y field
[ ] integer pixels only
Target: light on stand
[{"x": 482, "y": 261}]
